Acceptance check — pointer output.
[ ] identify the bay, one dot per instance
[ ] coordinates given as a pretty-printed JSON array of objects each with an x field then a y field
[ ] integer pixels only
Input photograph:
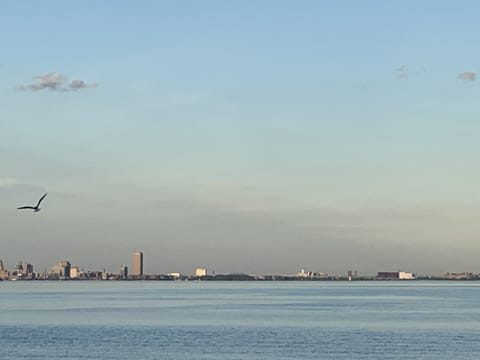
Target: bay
[{"x": 239, "y": 320}]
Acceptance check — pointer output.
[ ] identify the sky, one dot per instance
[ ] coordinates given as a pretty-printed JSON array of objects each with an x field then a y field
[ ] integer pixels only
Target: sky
[{"x": 241, "y": 136}]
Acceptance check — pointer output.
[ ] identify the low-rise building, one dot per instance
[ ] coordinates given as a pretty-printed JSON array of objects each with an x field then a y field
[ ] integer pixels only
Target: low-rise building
[
  {"x": 395, "y": 275},
  {"x": 199, "y": 272}
]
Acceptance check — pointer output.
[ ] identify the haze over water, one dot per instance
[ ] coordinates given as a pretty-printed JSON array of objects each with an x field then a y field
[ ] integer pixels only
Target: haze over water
[{"x": 240, "y": 320}]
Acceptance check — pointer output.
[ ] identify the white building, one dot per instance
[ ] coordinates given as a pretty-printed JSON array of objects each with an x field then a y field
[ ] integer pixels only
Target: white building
[
  {"x": 200, "y": 272},
  {"x": 74, "y": 272},
  {"x": 405, "y": 275}
]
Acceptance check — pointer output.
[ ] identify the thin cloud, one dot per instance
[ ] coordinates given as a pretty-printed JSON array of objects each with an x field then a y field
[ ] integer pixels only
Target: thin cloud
[
  {"x": 467, "y": 76},
  {"x": 55, "y": 82},
  {"x": 11, "y": 184},
  {"x": 401, "y": 72},
  {"x": 80, "y": 84},
  {"x": 7, "y": 182}
]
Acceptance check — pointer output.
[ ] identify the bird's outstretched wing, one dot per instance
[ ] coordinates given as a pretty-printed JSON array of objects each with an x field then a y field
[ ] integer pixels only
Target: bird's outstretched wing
[
  {"x": 26, "y": 207},
  {"x": 39, "y": 201}
]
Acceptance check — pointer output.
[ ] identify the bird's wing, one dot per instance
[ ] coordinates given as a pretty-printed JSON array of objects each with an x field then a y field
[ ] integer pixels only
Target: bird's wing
[
  {"x": 25, "y": 207},
  {"x": 39, "y": 201}
]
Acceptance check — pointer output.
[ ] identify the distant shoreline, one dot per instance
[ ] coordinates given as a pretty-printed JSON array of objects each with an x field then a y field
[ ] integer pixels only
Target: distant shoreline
[{"x": 237, "y": 278}]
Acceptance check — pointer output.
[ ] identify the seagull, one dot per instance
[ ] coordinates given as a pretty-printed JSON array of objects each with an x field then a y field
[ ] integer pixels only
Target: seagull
[{"x": 34, "y": 208}]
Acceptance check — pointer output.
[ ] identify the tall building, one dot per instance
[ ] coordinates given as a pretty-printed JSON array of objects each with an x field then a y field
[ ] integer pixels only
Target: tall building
[
  {"x": 124, "y": 272},
  {"x": 3, "y": 271},
  {"x": 137, "y": 263}
]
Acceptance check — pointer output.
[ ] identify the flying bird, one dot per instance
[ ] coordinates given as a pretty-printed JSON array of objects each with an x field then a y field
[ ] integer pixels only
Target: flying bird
[{"x": 34, "y": 208}]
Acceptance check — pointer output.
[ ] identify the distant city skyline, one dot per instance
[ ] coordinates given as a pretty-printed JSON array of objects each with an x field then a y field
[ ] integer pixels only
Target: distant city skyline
[
  {"x": 64, "y": 270},
  {"x": 251, "y": 138}
]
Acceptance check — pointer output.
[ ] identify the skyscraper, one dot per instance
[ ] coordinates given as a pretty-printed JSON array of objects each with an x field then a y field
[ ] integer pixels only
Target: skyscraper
[{"x": 137, "y": 263}]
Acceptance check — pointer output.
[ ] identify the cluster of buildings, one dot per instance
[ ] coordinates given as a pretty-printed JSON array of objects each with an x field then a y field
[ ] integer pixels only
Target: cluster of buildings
[
  {"x": 23, "y": 271},
  {"x": 64, "y": 270},
  {"x": 353, "y": 275}
]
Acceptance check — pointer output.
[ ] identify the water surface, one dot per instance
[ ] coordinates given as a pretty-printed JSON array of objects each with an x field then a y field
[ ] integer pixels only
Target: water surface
[{"x": 239, "y": 320}]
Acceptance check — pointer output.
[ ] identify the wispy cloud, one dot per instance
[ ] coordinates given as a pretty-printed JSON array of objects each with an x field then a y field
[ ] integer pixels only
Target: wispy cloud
[
  {"x": 55, "y": 82},
  {"x": 6, "y": 182},
  {"x": 11, "y": 183},
  {"x": 401, "y": 72},
  {"x": 80, "y": 84},
  {"x": 467, "y": 76}
]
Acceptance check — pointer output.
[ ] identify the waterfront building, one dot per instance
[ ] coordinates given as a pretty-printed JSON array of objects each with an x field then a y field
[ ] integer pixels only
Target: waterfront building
[
  {"x": 62, "y": 269},
  {"x": 406, "y": 275},
  {"x": 28, "y": 269},
  {"x": 352, "y": 274},
  {"x": 74, "y": 272},
  {"x": 3, "y": 271},
  {"x": 175, "y": 275},
  {"x": 301, "y": 274},
  {"x": 199, "y": 272},
  {"x": 123, "y": 272},
  {"x": 137, "y": 263},
  {"x": 396, "y": 275},
  {"x": 22, "y": 271}
]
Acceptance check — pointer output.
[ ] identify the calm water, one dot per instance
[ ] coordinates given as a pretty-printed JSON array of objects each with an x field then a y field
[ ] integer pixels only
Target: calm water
[{"x": 239, "y": 320}]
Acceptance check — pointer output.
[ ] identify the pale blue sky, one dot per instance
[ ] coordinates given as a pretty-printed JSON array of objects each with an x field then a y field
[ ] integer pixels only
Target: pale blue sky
[{"x": 249, "y": 136}]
